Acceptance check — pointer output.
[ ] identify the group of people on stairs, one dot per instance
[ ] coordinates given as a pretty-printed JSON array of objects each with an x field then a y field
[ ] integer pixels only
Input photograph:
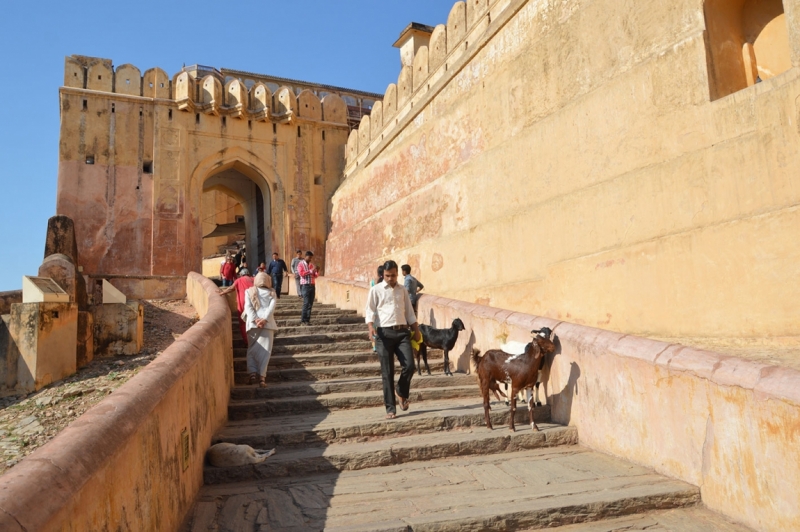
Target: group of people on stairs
[{"x": 256, "y": 299}]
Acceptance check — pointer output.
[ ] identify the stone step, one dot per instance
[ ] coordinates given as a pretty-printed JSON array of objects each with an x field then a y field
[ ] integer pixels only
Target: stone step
[
  {"x": 299, "y": 337},
  {"x": 302, "y": 349},
  {"x": 315, "y": 313},
  {"x": 282, "y": 359},
  {"x": 262, "y": 408},
  {"x": 334, "y": 457},
  {"x": 341, "y": 426},
  {"x": 320, "y": 320},
  {"x": 326, "y": 329},
  {"x": 692, "y": 518},
  {"x": 366, "y": 369},
  {"x": 306, "y": 388},
  {"x": 523, "y": 490}
]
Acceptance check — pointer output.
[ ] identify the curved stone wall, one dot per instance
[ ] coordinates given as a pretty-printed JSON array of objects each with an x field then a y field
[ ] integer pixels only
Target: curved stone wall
[{"x": 135, "y": 460}]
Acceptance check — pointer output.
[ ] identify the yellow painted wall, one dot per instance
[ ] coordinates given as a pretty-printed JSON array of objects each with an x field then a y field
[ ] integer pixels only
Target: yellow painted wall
[{"x": 567, "y": 160}]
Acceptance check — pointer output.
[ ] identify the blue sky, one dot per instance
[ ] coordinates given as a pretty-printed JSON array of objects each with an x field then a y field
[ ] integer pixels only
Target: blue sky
[{"x": 346, "y": 43}]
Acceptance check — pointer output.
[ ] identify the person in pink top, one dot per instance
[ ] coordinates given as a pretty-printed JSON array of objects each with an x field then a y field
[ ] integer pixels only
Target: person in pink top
[
  {"x": 241, "y": 285},
  {"x": 308, "y": 273}
]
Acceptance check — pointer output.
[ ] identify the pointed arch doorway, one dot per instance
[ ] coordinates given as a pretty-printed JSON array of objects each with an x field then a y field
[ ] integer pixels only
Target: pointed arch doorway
[{"x": 238, "y": 202}]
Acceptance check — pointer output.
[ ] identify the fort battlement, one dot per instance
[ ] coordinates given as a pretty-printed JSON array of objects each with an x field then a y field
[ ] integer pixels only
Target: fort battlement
[
  {"x": 425, "y": 65},
  {"x": 222, "y": 92}
]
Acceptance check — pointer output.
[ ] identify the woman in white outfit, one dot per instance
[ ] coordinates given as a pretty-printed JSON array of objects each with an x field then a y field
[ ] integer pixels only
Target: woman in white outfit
[{"x": 259, "y": 308}]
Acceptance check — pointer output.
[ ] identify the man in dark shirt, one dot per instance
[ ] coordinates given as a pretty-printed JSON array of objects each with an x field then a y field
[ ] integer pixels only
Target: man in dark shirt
[{"x": 275, "y": 270}]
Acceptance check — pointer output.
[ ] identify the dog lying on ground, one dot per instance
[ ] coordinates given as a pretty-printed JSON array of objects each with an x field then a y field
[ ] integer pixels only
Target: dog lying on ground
[{"x": 232, "y": 455}]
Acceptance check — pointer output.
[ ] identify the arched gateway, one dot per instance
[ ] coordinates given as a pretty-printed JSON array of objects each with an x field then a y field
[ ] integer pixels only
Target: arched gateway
[{"x": 149, "y": 166}]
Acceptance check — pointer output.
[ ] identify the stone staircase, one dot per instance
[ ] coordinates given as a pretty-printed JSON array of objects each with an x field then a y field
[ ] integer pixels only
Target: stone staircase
[{"x": 340, "y": 466}]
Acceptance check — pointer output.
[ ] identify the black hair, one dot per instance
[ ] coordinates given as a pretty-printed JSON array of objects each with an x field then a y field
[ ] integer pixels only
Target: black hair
[
  {"x": 299, "y": 251},
  {"x": 309, "y": 254},
  {"x": 276, "y": 253},
  {"x": 406, "y": 269},
  {"x": 389, "y": 265},
  {"x": 380, "y": 273}
]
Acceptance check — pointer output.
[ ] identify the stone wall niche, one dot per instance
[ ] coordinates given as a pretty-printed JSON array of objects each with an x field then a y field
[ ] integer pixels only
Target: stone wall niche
[{"x": 747, "y": 41}]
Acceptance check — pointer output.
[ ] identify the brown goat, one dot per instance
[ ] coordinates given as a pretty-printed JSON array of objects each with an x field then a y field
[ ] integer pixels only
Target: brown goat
[{"x": 522, "y": 370}]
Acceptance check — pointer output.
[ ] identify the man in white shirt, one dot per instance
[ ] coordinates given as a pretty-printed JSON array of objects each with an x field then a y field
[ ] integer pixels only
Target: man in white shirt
[{"x": 389, "y": 303}]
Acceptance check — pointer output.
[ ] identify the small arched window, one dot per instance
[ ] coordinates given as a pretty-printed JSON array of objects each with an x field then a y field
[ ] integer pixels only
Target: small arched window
[{"x": 747, "y": 42}]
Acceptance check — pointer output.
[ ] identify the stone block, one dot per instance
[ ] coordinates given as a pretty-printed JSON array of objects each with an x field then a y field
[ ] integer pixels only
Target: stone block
[
  {"x": 45, "y": 335},
  {"x": 9, "y": 298},
  {"x": 118, "y": 328},
  {"x": 61, "y": 269},
  {"x": 60, "y": 238},
  {"x": 85, "y": 345},
  {"x": 9, "y": 358}
]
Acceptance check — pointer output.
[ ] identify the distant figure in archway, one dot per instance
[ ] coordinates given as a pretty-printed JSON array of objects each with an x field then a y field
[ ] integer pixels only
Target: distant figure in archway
[
  {"x": 298, "y": 257},
  {"x": 228, "y": 272},
  {"x": 275, "y": 270}
]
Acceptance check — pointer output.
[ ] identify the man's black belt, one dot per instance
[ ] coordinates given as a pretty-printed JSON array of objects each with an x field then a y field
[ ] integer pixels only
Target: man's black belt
[{"x": 397, "y": 327}]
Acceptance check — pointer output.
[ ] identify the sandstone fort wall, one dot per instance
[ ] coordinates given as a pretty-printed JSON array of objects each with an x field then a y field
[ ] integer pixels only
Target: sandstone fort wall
[
  {"x": 135, "y": 460},
  {"x": 587, "y": 161},
  {"x": 727, "y": 425}
]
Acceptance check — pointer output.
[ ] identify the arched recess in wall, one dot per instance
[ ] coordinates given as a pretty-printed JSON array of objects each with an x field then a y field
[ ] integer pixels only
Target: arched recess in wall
[
  {"x": 249, "y": 180},
  {"x": 747, "y": 41}
]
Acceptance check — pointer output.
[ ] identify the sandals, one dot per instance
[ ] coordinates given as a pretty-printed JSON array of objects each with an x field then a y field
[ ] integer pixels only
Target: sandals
[
  {"x": 403, "y": 403},
  {"x": 390, "y": 416},
  {"x": 262, "y": 383},
  {"x": 253, "y": 378}
]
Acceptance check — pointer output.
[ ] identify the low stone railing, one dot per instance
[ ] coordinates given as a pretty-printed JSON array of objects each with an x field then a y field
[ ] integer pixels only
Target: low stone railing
[
  {"x": 728, "y": 425},
  {"x": 135, "y": 460}
]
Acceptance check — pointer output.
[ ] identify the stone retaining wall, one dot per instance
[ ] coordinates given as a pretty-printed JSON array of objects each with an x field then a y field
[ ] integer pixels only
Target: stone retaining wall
[
  {"x": 123, "y": 465},
  {"x": 727, "y": 425}
]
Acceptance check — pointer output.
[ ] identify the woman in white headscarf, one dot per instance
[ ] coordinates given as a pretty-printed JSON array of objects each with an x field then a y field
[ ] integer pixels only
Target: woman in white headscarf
[{"x": 259, "y": 308}]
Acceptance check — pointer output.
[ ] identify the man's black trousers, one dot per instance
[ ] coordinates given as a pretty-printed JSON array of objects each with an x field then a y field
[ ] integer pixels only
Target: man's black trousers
[
  {"x": 393, "y": 342},
  {"x": 309, "y": 292}
]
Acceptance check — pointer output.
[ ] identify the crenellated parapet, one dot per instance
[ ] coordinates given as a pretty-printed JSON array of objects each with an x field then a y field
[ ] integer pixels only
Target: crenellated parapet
[
  {"x": 425, "y": 54},
  {"x": 199, "y": 89}
]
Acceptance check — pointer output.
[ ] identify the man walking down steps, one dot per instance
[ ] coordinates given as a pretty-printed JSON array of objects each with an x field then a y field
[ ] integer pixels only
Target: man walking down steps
[{"x": 389, "y": 302}]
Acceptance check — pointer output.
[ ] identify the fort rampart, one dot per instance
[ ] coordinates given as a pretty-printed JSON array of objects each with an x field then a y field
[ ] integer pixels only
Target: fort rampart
[
  {"x": 727, "y": 425},
  {"x": 135, "y": 460},
  {"x": 592, "y": 161},
  {"x": 139, "y": 151}
]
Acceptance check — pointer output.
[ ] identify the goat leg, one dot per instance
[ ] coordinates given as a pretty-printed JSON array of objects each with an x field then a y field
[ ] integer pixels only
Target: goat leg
[
  {"x": 447, "y": 363},
  {"x": 513, "y": 412},
  {"x": 485, "y": 393},
  {"x": 415, "y": 352},
  {"x": 424, "y": 349},
  {"x": 531, "y": 410}
]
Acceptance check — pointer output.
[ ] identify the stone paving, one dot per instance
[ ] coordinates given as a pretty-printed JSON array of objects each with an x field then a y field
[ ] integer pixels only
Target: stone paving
[{"x": 340, "y": 466}]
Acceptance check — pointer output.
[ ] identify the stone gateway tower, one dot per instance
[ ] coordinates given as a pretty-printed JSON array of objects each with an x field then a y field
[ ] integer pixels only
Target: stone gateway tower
[{"x": 149, "y": 165}]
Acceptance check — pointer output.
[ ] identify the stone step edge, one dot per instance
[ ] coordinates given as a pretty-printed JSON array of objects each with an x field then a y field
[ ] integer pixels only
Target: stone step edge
[
  {"x": 247, "y": 432},
  {"x": 570, "y": 509},
  {"x": 324, "y": 387},
  {"x": 348, "y": 457},
  {"x": 242, "y": 403}
]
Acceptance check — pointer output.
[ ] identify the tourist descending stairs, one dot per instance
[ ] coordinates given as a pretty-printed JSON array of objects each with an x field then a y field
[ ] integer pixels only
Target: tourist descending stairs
[{"x": 340, "y": 465}]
